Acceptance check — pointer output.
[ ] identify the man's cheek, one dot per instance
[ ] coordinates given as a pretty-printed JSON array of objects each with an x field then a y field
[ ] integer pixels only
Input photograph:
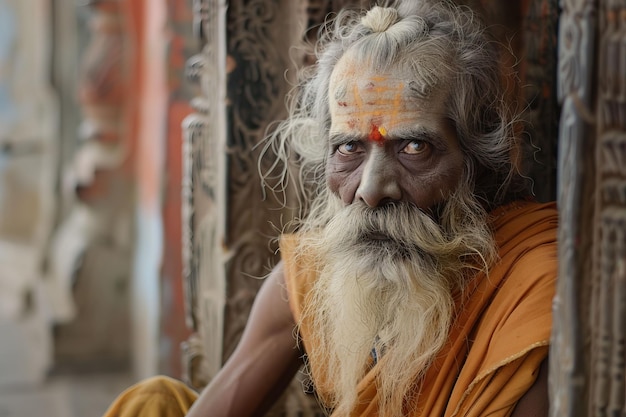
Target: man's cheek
[
  {"x": 333, "y": 180},
  {"x": 340, "y": 182}
]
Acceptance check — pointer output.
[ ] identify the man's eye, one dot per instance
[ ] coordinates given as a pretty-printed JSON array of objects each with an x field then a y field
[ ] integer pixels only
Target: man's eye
[
  {"x": 349, "y": 148},
  {"x": 416, "y": 147}
]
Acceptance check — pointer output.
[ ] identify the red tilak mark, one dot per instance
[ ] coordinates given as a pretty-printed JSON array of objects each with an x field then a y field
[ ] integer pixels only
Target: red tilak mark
[{"x": 376, "y": 136}]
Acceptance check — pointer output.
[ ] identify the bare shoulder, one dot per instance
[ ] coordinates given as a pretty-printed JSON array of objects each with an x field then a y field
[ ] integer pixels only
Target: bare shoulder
[{"x": 271, "y": 309}]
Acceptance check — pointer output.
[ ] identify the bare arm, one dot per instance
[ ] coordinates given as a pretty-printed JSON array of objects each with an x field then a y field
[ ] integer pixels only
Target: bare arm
[
  {"x": 264, "y": 362},
  {"x": 535, "y": 402}
]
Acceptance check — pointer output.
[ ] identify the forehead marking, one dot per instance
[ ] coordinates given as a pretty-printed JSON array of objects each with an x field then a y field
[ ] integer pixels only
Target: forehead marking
[
  {"x": 377, "y": 134},
  {"x": 384, "y": 100}
]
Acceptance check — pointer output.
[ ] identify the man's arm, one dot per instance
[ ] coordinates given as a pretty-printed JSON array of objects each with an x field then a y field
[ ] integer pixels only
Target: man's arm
[
  {"x": 535, "y": 402},
  {"x": 264, "y": 362}
]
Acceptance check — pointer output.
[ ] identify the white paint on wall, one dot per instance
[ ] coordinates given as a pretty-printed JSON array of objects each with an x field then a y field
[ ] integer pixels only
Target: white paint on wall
[
  {"x": 28, "y": 139},
  {"x": 145, "y": 294}
]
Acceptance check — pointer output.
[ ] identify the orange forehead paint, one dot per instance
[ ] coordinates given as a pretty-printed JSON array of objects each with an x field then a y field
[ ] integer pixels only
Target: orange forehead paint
[{"x": 377, "y": 134}]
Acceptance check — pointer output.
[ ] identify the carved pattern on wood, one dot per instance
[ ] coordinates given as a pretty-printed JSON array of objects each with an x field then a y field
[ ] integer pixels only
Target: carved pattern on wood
[
  {"x": 576, "y": 138},
  {"x": 256, "y": 92},
  {"x": 609, "y": 303},
  {"x": 608, "y": 341},
  {"x": 203, "y": 197},
  {"x": 260, "y": 36}
]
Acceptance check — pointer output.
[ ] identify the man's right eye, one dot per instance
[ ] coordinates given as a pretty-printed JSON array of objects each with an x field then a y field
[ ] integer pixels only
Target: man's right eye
[{"x": 349, "y": 148}]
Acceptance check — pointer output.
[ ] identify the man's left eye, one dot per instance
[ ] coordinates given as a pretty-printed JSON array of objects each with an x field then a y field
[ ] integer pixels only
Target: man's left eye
[{"x": 416, "y": 147}]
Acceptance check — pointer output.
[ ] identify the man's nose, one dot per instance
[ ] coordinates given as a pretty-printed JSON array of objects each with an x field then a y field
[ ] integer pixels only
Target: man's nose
[{"x": 379, "y": 182}]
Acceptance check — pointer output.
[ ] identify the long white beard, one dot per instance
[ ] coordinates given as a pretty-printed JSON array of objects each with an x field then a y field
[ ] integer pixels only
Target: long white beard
[{"x": 386, "y": 286}]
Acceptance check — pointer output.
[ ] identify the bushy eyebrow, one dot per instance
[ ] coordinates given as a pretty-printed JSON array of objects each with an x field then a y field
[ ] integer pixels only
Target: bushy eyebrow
[
  {"x": 420, "y": 133},
  {"x": 337, "y": 139},
  {"x": 409, "y": 133}
]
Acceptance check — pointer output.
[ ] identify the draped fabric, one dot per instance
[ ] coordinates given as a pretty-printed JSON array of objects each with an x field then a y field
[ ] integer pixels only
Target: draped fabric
[
  {"x": 158, "y": 396},
  {"x": 500, "y": 336}
]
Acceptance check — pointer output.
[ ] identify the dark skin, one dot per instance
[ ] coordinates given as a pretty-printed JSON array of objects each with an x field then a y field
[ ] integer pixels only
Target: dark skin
[{"x": 406, "y": 154}]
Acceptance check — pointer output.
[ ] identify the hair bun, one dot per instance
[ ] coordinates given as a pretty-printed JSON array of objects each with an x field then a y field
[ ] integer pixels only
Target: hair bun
[{"x": 379, "y": 19}]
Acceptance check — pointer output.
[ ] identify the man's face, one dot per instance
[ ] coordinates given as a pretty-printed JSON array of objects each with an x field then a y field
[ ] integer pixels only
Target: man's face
[{"x": 386, "y": 144}]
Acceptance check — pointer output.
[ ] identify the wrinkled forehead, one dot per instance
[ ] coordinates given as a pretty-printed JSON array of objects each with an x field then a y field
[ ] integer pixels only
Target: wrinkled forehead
[
  {"x": 362, "y": 94},
  {"x": 382, "y": 85}
]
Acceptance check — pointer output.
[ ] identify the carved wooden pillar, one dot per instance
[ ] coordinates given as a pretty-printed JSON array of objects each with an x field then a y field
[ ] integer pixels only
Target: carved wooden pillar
[
  {"x": 608, "y": 315},
  {"x": 588, "y": 365},
  {"x": 260, "y": 35},
  {"x": 204, "y": 196},
  {"x": 568, "y": 370}
]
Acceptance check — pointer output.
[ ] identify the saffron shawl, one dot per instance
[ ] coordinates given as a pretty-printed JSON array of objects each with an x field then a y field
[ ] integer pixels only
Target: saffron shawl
[{"x": 500, "y": 335}]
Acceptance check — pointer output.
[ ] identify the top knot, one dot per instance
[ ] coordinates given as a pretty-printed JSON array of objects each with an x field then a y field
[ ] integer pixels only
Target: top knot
[{"x": 379, "y": 19}]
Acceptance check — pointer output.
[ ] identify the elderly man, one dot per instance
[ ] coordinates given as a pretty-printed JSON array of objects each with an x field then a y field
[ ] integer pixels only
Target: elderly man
[{"x": 420, "y": 282}]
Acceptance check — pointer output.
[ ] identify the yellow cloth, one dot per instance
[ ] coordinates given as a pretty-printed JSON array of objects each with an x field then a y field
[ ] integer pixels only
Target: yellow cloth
[
  {"x": 500, "y": 336},
  {"x": 159, "y": 396}
]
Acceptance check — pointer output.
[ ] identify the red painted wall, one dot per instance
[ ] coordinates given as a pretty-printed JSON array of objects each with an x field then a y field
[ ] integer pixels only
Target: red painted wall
[{"x": 161, "y": 36}]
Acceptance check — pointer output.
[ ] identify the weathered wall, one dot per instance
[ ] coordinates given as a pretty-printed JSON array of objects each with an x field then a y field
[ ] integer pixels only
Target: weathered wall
[{"x": 28, "y": 161}]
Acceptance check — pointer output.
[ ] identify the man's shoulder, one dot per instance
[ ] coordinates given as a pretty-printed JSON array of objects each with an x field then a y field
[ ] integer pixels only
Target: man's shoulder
[
  {"x": 525, "y": 209},
  {"x": 527, "y": 269},
  {"x": 524, "y": 225}
]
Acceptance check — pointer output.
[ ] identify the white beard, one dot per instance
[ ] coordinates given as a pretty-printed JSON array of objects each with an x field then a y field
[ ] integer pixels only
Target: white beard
[{"x": 393, "y": 295}]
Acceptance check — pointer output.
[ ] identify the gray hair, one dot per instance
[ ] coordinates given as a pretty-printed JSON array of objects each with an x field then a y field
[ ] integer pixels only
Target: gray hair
[{"x": 436, "y": 40}]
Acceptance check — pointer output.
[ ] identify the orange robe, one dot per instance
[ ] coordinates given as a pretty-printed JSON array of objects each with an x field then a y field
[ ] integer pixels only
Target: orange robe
[
  {"x": 159, "y": 396},
  {"x": 501, "y": 334}
]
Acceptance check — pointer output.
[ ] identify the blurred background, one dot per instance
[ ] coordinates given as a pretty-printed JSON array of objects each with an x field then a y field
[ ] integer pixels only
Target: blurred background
[
  {"x": 133, "y": 226},
  {"x": 92, "y": 100}
]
